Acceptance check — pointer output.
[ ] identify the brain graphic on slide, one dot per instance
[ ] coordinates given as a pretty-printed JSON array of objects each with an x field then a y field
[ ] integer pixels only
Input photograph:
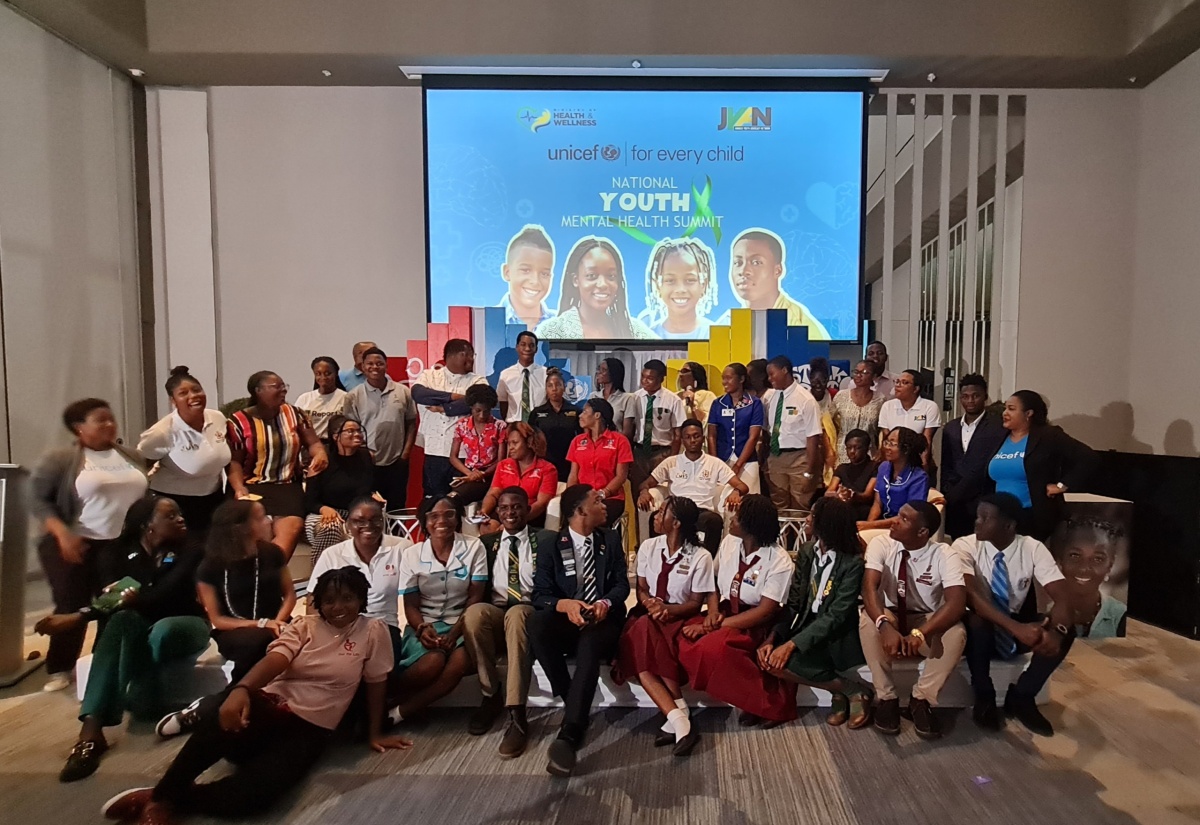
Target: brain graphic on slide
[
  {"x": 464, "y": 183},
  {"x": 821, "y": 264}
]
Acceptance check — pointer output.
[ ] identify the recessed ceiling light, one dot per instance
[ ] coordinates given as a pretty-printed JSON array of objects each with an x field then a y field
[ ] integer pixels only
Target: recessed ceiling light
[
  {"x": 931, "y": 77},
  {"x": 136, "y": 72},
  {"x": 326, "y": 72},
  {"x": 637, "y": 64}
]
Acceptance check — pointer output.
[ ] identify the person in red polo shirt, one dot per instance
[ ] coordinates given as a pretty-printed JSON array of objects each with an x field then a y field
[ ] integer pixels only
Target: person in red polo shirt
[
  {"x": 601, "y": 457},
  {"x": 525, "y": 467}
]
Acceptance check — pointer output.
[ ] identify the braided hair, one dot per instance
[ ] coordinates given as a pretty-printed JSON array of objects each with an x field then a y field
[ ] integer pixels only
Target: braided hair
[{"x": 656, "y": 311}]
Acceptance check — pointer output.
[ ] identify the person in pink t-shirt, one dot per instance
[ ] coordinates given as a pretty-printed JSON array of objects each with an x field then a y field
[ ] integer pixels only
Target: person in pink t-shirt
[{"x": 275, "y": 723}]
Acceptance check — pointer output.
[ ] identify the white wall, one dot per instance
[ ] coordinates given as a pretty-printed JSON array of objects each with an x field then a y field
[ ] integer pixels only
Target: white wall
[
  {"x": 1167, "y": 264},
  {"x": 68, "y": 248},
  {"x": 318, "y": 198}
]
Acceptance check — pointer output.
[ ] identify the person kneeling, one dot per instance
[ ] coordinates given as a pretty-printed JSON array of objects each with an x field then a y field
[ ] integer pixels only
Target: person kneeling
[
  {"x": 649, "y": 649},
  {"x": 913, "y": 602},
  {"x": 818, "y": 638},
  {"x": 999, "y": 566},
  {"x": 579, "y": 592},
  {"x": 274, "y": 724},
  {"x": 500, "y": 625}
]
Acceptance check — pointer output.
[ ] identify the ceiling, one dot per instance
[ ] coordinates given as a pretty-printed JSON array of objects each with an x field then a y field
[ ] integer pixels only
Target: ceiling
[{"x": 1009, "y": 44}]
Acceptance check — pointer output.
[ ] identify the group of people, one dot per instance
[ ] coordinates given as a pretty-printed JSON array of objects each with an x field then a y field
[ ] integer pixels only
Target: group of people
[{"x": 189, "y": 535}]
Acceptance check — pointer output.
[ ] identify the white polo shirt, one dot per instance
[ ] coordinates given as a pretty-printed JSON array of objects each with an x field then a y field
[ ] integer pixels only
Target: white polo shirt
[
  {"x": 930, "y": 570},
  {"x": 700, "y": 480},
  {"x": 190, "y": 463},
  {"x": 383, "y": 573},
  {"x": 692, "y": 573},
  {"x": 1027, "y": 560},
  {"x": 524, "y": 569},
  {"x": 511, "y": 383},
  {"x": 443, "y": 588},
  {"x": 668, "y": 414},
  {"x": 436, "y": 429},
  {"x": 924, "y": 415},
  {"x": 622, "y": 404},
  {"x": 768, "y": 578},
  {"x": 801, "y": 417}
]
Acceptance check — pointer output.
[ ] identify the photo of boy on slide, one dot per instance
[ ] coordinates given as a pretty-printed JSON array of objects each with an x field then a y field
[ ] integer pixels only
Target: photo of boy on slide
[
  {"x": 680, "y": 289},
  {"x": 757, "y": 266},
  {"x": 528, "y": 270}
]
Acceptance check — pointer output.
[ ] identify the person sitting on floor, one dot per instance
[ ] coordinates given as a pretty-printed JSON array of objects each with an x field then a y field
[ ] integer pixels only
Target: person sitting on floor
[
  {"x": 818, "y": 638},
  {"x": 154, "y": 622},
  {"x": 479, "y": 444},
  {"x": 439, "y": 579},
  {"x": 327, "y": 495},
  {"x": 498, "y": 624},
  {"x": 753, "y": 575},
  {"x": 673, "y": 579},
  {"x": 914, "y": 597},
  {"x": 579, "y": 592},
  {"x": 701, "y": 477},
  {"x": 273, "y": 724},
  {"x": 1000, "y": 567}
]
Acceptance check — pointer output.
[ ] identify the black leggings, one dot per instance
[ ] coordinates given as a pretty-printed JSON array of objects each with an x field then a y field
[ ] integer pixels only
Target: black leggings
[
  {"x": 245, "y": 647},
  {"x": 72, "y": 586},
  {"x": 271, "y": 754}
]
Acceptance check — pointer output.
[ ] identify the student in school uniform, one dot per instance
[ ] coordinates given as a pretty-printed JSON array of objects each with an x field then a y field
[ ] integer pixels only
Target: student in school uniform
[
  {"x": 793, "y": 439},
  {"x": 817, "y": 640},
  {"x": 1000, "y": 567},
  {"x": 735, "y": 425},
  {"x": 579, "y": 592},
  {"x": 499, "y": 624},
  {"x": 674, "y": 577},
  {"x": 522, "y": 387},
  {"x": 914, "y": 597},
  {"x": 719, "y": 651},
  {"x": 653, "y": 422}
]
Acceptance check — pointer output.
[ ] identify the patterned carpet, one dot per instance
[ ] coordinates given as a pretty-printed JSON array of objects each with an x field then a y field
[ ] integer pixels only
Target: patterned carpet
[{"x": 1128, "y": 712}]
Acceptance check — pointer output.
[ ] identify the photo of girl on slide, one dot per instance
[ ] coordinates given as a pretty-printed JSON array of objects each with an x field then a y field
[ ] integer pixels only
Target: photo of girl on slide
[
  {"x": 680, "y": 289},
  {"x": 593, "y": 301}
]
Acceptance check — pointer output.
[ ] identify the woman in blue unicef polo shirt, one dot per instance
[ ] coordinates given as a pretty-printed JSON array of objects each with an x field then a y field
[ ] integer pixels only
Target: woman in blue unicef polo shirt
[{"x": 735, "y": 423}]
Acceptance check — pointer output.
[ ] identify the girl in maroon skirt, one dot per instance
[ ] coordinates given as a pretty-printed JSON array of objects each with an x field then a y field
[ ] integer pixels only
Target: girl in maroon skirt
[
  {"x": 718, "y": 651},
  {"x": 675, "y": 573}
]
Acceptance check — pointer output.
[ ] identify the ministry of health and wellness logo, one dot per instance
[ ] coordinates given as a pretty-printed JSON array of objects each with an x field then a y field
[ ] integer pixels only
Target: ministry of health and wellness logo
[
  {"x": 533, "y": 118},
  {"x": 745, "y": 119},
  {"x": 536, "y": 118}
]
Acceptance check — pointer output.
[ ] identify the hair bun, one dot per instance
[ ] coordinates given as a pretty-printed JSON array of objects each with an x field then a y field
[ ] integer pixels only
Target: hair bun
[{"x": 180, "y": 370}]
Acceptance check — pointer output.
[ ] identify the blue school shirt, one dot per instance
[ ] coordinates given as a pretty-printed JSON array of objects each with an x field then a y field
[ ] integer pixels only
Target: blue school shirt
[
  {"x": 734, "y": 423},
  {"x": 1007, "y": 469},
  {"x": 912, "y": 485}
]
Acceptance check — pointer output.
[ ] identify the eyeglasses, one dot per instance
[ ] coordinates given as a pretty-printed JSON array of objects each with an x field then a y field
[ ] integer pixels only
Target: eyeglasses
[
  {"x": 372, "y": 522},
  {"x": 861, "y": 372},
  {"x": 348, "y": 431},
  {"x": 283, "y": 387},
  {"x": 688, "y": 370}
]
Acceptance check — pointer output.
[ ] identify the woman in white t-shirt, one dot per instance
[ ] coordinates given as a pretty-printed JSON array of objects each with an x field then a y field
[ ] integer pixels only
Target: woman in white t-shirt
[
  {"x": 190, "y": 452},
  {"x": 327, "y": 398},
  {"x": 80, "y": 495}
]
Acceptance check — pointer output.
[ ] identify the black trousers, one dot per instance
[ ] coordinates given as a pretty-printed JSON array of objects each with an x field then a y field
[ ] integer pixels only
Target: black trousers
[
  {"x": 981, "y": 649},
  {"x": 469, "y": 492},
  {"x": 245, "y": 647},
  {"x": 391, "y": 482},
  {"x": 644, "y": 462},
  {"x": 271, "y": 754},
  {"x": 436, "y": 474},
  {"x": 960, "y": 519},
  {"x": 72, "y": 586},
  {"x": 553, "y": 639}
]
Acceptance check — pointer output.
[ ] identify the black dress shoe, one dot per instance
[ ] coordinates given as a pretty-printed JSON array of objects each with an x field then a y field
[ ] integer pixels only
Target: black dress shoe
[
  {"x": 748, "y": 720},
  {"x": 486, "y": 715},
  {"x": 83, "y": 761},
  {"x": 887, "y": 716},
  {"x": 986, "y": 715},
  {"x": 1025, "y": 710},
  {"x": 562, "y": 757},
  {"x": 925, "y": 723},
  {"x": 664, "y": 738},
  {"x": 684, "y": 746}
]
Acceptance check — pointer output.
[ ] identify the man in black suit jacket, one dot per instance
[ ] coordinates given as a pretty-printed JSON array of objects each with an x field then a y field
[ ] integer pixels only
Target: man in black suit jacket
[
  {"x": 579, "y": 592},
  {"x": 965, "y": 472}
]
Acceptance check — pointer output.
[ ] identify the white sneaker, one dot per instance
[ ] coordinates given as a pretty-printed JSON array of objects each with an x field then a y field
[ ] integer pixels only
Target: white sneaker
[{"x": 59, "y": 681}]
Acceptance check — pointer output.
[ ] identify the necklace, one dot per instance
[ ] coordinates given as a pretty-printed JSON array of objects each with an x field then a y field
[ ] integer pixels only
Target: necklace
[{"x": 229, "y": 604}]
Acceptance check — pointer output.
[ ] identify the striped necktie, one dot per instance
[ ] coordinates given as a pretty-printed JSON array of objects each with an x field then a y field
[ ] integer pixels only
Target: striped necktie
[
  {"x": 818, "y": 574},
  {"x": 587, "y": 568},
  {"x": 514, "y": 571},
  {"x": 1006, "y": 645},
  {"x": 648, "y": 424},
  {"x": 775, "y": 448},
  {"x": 525, "y": 395}
]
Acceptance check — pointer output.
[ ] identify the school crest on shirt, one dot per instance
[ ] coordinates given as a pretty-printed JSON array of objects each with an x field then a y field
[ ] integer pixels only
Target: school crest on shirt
[{"x": 1023, "y": 583}]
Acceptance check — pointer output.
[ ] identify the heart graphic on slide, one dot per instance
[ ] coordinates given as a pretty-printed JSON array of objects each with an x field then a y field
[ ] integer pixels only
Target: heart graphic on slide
[{"x": 834, "y": 205}]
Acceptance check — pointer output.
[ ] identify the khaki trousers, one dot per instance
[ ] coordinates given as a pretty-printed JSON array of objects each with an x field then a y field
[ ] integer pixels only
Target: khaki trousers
[
  {"x": 488, "y": 631},
  {"x": 788, "y": 487},
  {"x": 941, "y": 653}
]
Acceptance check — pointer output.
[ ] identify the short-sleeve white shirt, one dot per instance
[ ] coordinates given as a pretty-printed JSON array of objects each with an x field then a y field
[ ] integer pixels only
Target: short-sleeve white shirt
[
  {"x": 1027, "y": 560},
  {"x": 931, "y": 570},
  {"x": 524, "y": 569},
  {"x": 668, "y": 414},
  {"x": 700, "y": 480},
  {"x": 190, "y": 463},
  {"x": 923, "y": 415},
  {"x": 800, "y": 420},
  {"x": 511, "y": 384},
  {"x": 443, "y": 588},
  {"x": 768, "y": 578},
  {"x": 383, "y": 574},
  {"x": 691, "y": 575},
  {"x": 436, "y": 429}
]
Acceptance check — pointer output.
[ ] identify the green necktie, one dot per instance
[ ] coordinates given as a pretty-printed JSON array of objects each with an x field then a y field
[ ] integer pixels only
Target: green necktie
[
  {"x": 775, "y": 427},
  {"x": 648, "y": 427},
  {"x": 525, "y": 396},
  {"x": 514, "y": 571}
]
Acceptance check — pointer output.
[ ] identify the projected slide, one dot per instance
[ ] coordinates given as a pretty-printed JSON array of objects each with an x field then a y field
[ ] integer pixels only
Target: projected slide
[{"x": 642, "y": 215}]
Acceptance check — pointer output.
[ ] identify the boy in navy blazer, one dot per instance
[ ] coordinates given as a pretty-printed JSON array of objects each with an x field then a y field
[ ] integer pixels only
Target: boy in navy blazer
[{"x": 579, "y": 592}]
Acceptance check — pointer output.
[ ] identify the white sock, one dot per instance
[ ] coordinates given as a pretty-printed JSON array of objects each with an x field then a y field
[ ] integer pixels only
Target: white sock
[
  {"x": 678, "y": 720},
  {"x": 683, "y": 706},
  {"x": 394, "y": 716}
]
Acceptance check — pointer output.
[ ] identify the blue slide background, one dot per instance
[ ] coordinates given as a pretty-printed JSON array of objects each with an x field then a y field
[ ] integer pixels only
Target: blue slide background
[{"x": 489, "y": 174}]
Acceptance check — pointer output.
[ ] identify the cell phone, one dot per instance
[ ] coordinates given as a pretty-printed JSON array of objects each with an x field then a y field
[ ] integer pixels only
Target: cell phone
[
  {"x": 588, "y": 613},
  {"x": 252, "y": 497},
  {"x": 111, "y": 600}
]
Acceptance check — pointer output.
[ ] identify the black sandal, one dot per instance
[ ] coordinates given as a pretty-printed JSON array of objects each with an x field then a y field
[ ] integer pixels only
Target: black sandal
[{"x": 83, "y": 761}]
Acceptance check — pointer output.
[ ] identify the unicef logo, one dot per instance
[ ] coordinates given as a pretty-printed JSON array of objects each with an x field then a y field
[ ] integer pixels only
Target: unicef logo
[
  {"x": 575, "y": 390},
  {"x": 610, "y": 152}
]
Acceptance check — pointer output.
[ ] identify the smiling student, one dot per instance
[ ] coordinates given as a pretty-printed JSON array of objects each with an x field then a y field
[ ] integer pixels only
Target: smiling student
[
  {"x": 593, "y": 300},
  {"x": 528, "y": 270},
  {"x": 757, "y": 267},
  {"x": 680, "y": 289},
  {"x": 522, "y": 386}
]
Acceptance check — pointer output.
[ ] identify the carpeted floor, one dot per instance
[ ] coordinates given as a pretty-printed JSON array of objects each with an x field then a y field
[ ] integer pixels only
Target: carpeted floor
[{"x": 1128, "y": 712}]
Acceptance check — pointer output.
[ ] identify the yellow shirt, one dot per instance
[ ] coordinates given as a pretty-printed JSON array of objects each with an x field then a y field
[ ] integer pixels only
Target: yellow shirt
[{"x": 798, "y": 315}]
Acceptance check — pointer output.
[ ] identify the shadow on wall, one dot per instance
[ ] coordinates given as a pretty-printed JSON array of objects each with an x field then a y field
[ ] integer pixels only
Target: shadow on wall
[
  {"x": 1180, "y": 439},
  {"x": 1112, "y": 429}
]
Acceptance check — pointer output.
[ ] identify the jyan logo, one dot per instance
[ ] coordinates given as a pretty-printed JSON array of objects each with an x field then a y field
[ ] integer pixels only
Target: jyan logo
[
  {"x": 533, "y": 118},
  {"x": 745, "y": 119}
]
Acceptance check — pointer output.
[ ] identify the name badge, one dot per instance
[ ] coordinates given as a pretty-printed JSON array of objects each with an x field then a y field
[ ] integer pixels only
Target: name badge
[{"x": 728, "y": 412}]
